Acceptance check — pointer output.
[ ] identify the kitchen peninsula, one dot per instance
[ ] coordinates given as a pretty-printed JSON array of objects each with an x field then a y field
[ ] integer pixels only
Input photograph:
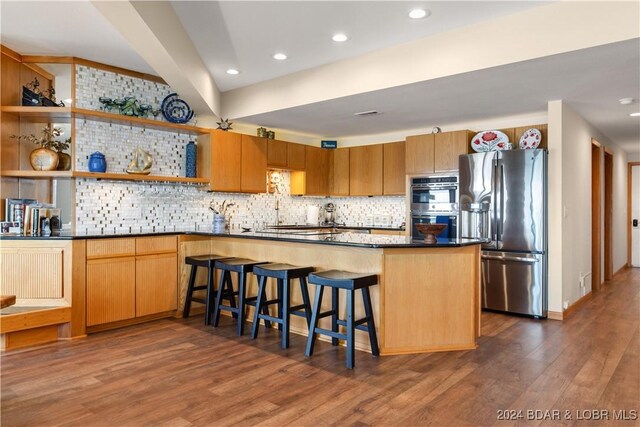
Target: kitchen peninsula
[{"x": 427, "y": 298}]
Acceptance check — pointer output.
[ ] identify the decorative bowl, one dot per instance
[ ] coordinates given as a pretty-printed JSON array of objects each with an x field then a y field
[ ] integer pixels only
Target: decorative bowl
[{"x": 430, "y": 231}]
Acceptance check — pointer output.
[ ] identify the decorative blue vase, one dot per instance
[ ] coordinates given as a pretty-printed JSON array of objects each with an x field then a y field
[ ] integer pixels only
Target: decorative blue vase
[
  {"x": 192, "y": 158},
  {"x": 97, "y": 162}
]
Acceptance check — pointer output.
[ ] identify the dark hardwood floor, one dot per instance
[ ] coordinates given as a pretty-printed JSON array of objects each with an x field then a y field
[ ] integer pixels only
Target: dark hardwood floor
[{"x": 180, "y": 373}]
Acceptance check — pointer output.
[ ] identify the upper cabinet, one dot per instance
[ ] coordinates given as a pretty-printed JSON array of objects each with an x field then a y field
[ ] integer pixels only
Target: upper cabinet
[
  {"x": 448, "y": 146},
  {"x": 253, "y": 177},
  {"x": 314, "y": 181},
  {"x": 296, "y": 156},
  {"x": 365, "y": 170},
  {"x": 394, "y": 169},
  {"x": 419, "y": 154},
  {"x": 226, "y": 158},
  {"x": 277, "y": 153},
  {"x": 339, "y": 172},
  {"x": 436, "y": 152}
]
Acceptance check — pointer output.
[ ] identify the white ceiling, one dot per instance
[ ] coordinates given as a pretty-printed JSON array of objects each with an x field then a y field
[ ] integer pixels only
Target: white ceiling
[
  {"x": 245, "y": 34},
  {"x": 590, "y": 80}
]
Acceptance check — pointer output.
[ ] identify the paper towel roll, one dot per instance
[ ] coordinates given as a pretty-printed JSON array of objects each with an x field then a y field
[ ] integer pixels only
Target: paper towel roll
[{"x": 313, "y": 213}]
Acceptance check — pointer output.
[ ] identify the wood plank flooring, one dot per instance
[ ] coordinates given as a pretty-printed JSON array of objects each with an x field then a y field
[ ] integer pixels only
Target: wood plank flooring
[{"x": 180, "y": 373}]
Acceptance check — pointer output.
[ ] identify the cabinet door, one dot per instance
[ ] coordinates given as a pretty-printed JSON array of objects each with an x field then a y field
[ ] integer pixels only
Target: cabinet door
[
  {"x": 394, "y": 168},
  {"x": 339, "y": 172},
  {"x": 448, "y": 146},
  {"x": 419, "y": 154},
  {"x": 225, "y": 160},
  {"x": 254, "y": 164},
  {"x": 317, "y": 171},
  {"x": 365, "y": 170},
  {"x": 296, "y": 156},
  {"x": 277, "y": 153},
  {"x": 156, "y": 284},
  {"x": 111, "y": 290}
]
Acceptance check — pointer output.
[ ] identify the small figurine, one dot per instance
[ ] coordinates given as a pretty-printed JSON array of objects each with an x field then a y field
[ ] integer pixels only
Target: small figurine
[
  {"x": 141, "y": 163},
  {"x": 224, "y": 124}
]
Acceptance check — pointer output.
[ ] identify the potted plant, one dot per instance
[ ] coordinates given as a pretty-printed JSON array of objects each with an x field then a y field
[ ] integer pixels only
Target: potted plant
[
  {"x": 43, "y": 158},
  {"x": 64, "y": 159}
]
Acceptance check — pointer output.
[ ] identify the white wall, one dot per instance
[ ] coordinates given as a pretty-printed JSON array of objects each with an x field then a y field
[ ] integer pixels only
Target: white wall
[
  {"x": 572, "y": 201},
  {"x": 555, "y": 212}
]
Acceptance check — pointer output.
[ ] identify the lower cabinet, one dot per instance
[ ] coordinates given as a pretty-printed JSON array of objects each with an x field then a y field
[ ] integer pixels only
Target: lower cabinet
[
  {"x": 111, "y": 290},
  {"x": 156, "y": 284},
  {"x": 131, "y": 277}
]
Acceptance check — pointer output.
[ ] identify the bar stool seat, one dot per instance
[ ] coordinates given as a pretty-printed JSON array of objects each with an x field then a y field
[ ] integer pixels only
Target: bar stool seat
[
  {"x": 336, "y": 280},
  {"x": 242, "y": 266},
  {"x": 283, "y": 273},
  {"x": 208, "y": 262}
]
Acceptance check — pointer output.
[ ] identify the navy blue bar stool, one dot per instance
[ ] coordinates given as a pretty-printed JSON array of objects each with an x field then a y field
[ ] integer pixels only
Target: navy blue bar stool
[
  {"x": 283, "y": 273},
  {"x": 241, "y": 266},
  {"x": 337, "y": 280},
  {"x": 206, "y": 261}
]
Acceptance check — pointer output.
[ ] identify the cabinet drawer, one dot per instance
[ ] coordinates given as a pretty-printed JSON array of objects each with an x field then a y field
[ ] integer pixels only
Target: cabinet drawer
[
  {"x": 154, "y": 245},
  {"x": 116, "y": 247}
]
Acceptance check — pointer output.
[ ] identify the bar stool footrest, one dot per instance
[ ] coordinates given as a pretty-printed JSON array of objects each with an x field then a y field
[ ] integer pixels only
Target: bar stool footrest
[
  {"x": 270, "y": 318},
  {"x": 356, "y": 323},
  {"x": 330, "y": 333}
]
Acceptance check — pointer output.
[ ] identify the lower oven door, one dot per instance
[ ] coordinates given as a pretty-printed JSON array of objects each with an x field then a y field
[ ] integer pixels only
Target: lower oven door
[
  {"x": 451, "y": 232},
  {"x": 514, "y": 282}
]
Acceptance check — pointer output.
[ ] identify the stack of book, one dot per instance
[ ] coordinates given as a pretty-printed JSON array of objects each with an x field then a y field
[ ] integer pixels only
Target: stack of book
[{"x": 30, "y": 218}]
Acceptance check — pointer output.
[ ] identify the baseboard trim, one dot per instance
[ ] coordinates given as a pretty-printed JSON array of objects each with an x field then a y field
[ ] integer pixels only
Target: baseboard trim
[
  {"x": 624, "y": 267},
  {"x": 575, "y": 306},
  {"x": 554, "y": 315}
]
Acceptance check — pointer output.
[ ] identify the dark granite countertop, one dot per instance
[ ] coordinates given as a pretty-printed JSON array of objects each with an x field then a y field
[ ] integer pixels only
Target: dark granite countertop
[{"x": 315, "y": 236}]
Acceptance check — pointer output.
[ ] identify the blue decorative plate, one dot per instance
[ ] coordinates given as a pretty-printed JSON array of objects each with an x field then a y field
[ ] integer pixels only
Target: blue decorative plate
[{"x": 175, "y": 110}]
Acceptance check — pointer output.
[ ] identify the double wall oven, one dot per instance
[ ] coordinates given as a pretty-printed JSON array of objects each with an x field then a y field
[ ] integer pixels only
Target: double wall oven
[{"x": 434, "y": 199}]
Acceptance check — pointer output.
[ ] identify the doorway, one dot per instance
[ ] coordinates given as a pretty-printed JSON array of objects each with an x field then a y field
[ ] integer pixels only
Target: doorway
[
  {"x": 596, "y": 149},
  {"x": 608, "y": 214},
  {"x": 633, "y": 214}
]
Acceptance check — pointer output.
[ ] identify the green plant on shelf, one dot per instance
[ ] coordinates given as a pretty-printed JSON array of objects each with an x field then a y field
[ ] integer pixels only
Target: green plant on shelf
[{"x": 47, "y": 139}]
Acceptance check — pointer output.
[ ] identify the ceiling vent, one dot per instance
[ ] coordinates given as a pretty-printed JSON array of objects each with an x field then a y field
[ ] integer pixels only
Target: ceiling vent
[{"x": 367, "y": 113}]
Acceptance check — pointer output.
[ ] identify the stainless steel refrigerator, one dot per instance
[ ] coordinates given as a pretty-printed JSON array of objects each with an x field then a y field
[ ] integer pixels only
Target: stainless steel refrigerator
[{"x": 503, "y": 199}]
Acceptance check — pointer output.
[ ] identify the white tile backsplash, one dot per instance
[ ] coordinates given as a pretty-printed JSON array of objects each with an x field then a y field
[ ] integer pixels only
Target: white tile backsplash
[{"x": 130, "y": 206}]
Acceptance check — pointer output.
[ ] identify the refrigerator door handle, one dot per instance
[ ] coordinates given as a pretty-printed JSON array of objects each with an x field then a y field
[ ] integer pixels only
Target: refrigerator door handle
[
  {"x": 500, "y": 223},
  {"x": 511, "y": 258}
]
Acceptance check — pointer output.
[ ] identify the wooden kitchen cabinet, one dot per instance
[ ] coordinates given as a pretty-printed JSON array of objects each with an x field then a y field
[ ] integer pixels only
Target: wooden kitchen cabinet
[
  {"x": 314, "y": 181},
  {"x": 419, "y": 154},
  {"x": 448, "y": 146},
  {"x": 394, "y": 174},
  {"x": 277, "y": 153},
  {"x": 339, "y": 172},
  {"x": 296, "y": 156},
  {"x": 365, "y": 170},
  {"x": 253, "y": 165},
  {"x": 226, "y": 159},
  {"x": 111, "y": 289},
  {"x": 156, "y": 283}
]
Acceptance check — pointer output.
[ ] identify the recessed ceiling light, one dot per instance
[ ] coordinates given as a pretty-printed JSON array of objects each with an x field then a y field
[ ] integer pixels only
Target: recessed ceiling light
[
  {"x": 339, "y": 38},
  {"x": 279, "y": 56},
  {"x": 626, "y": 101},
  {"x": 419, "y": 13},
  {"x": 233, "y": 71},
  {"x": 635, "y": 114}
]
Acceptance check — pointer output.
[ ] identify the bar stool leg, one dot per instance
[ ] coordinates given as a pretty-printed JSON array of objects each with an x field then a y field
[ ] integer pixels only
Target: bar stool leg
[
  {"x": 279, "y": 286},
  {"x": 371, "y": 326},
  {"x": 210, "y": 297},
  {"x": 304, "y": 290},
  {"x": 187, "y": 300},
  {"x": 242, "y": 278},
  {"x": 317, "y": 304},
  {"x": 221, "y": 288},
  {"x": 286, "y": 303},
  {"x": 335, "y": 308},
  {"x": 350, "y": 329},
  {"x": 259, "y": 302}
]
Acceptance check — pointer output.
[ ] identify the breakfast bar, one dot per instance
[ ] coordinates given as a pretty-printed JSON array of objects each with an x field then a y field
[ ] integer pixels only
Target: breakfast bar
[{"x": 427, "y": 297}]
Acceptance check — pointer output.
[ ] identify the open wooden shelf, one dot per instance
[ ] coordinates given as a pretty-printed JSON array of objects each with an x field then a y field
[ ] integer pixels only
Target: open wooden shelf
[
  {"x": 37, "y": 174},
  {"x": 137, "y": 121},
  {"x": 133, "y": 177},
  {"x": 41, "y": 114},
  {"x": 64, "y": 115}
]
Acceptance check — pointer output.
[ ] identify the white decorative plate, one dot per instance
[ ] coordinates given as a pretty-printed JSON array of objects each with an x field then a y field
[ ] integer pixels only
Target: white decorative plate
[
  {"x": 487, "y": 140},
  {"x": 530, "y": 139}
]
